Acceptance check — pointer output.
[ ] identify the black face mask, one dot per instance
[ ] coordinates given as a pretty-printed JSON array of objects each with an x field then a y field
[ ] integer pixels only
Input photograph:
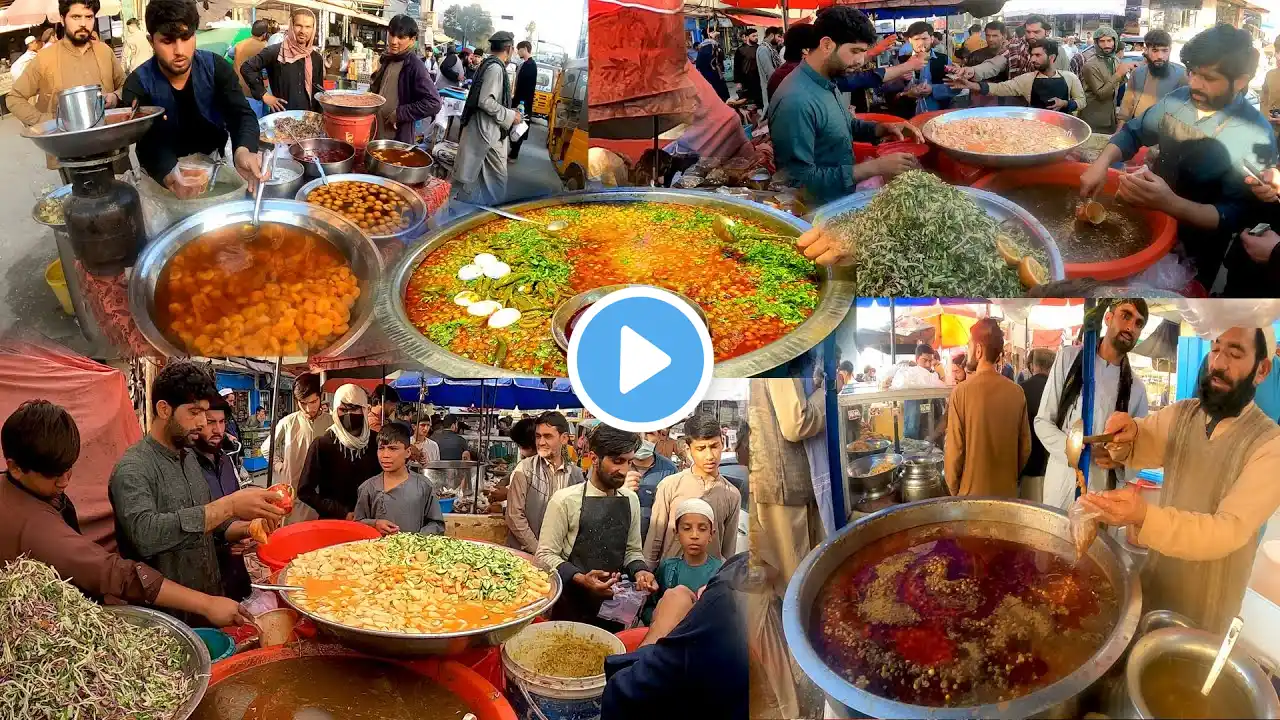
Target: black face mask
[
  {"x": 1221, "y": 404},
  {"x": 353, "y": 423}
]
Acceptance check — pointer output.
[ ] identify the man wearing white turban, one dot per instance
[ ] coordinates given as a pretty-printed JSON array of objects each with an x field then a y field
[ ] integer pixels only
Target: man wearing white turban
[
  {"x": 341, "y": 459},
  {"x": 1221, "y": 458}
]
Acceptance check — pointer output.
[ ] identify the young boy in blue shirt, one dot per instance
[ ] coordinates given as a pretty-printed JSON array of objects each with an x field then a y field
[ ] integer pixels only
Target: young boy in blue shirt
[{"x": 695, "y": 528}]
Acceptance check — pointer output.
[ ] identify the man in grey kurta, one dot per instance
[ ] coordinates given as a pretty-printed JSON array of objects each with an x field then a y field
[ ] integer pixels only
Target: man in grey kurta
[
  {"x": 481, "y": 168},
  {"x": 768, "y": 58}
]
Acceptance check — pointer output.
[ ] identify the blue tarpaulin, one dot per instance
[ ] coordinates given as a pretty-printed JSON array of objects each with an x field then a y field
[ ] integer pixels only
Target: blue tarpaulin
[{"x": 502, "y": 393}]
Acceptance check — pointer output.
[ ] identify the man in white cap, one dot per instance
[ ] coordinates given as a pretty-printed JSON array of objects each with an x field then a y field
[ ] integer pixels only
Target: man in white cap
[
  {"x": 1221, "y": 460},
  {"x": 696, "y": 529},
  {"x": 33, "y": 46},
  {"x": 233, "y": 428}
]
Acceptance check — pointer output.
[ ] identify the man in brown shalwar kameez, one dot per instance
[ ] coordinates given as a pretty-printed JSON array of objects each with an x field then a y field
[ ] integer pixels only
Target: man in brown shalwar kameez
[{"x": 1221, "y": 460}]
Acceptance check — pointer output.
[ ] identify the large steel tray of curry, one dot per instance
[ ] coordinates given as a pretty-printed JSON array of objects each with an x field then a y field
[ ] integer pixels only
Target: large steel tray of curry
[
  {"x": 479, "y": 294},
  {"x": 960, "y": 608}
]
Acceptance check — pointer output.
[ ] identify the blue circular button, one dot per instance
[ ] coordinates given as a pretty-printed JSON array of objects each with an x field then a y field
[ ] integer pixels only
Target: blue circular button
[{"x": 640, "y": 359}]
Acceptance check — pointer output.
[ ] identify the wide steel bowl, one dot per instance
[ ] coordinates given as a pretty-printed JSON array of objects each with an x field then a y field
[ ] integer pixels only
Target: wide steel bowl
[
  {"x": 1039, "y": 526},
  {"x": 267, "y": 124},
  {"x": 59, "y": 194},
  {"x": 873, "y": 486},
  {"x": 401, "y": 645},
  {"x": 417, "y": 208},
  {"x": 875, "y": 447},
  {"x": 356, "y": 247},
  {"x": 399, "y": 173},
  {"x": 835, "y": 287},
  {"x": 1078, "y": 129},
  {"x": 116, "y": 132},
  {"x": 324, "y": 98},
  {"x": 285, "y": 189},
  {"x": 569, "y": 308},
  {"x": 298, "y": 151},
  {"x": 996, "y": 206},
  {"x": 196, "y": 665}
]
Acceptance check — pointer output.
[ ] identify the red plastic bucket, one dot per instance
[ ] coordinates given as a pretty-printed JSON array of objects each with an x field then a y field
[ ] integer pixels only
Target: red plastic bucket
[
  {"x": 920, "y": 150},
  {"x": 880, "y": 118},
  {"x": 1164, "y": 229},
  {"x": 355, "y": 131},
  {"x": 956, "y": 172},
  {"x": 633, "y": 637},
  {"x": 291, "y": 541},
  {"x": 863, "y": 152},
  {"x": 480, "y": 696}
]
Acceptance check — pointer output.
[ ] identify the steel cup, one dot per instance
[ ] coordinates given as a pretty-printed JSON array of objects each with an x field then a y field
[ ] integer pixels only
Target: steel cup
[{"x": 81, "y": 108}]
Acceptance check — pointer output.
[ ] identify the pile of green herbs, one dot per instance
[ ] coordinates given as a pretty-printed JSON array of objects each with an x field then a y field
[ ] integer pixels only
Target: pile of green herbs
[
  {"x": 63, "y": 656},
  {"x": 920, "y": 237},
  {"x": 486, "y": 572}
]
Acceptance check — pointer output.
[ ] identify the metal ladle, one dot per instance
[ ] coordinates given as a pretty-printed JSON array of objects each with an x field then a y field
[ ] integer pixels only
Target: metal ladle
[
  {"x": 1219, "y": 662},
  {"x": 723, "y": 227},
  {"x": 552, "y": 228},
  {"x": 250, "y": 231},
  {"x": 324, "y": 179},
  {"x": 1076, "y": 440}
]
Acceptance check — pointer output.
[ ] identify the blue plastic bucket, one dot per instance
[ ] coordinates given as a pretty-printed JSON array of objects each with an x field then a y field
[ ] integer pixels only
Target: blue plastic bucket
[
  {"x": 220, "y": 644},
  {"x": 535, "y": 696},
  {"x": 446, "y": 505}
]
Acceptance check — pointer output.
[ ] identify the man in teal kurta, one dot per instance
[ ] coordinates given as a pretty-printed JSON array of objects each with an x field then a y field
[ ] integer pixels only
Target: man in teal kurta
[{"x": 813, "y": 131}]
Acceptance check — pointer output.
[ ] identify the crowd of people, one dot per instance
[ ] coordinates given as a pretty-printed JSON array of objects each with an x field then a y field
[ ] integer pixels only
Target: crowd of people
[{"x": 210, "y": 100}]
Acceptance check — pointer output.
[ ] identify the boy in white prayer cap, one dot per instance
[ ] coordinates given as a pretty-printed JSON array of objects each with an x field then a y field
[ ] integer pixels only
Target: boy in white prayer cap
[{"x": 694, "y": 567}]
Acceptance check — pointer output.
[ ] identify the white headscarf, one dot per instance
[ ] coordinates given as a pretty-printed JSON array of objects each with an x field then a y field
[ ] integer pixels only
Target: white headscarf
[{"x": 350, "y": 395}]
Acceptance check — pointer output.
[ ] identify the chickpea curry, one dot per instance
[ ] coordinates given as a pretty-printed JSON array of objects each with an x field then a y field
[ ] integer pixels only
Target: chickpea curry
[
  {"x": 417, "y": 584},
  {"x": 284, "y": 291},
  {"x": 489, "y": 294}
]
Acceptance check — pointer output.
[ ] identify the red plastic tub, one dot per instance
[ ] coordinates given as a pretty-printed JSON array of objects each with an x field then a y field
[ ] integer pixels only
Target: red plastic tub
[
  {"x": 1164, "y": 230},
  {"x": 956, "y": 172},
  {"x": 880, "y": 118},
  {"x": 633, "y": 637},
  {"x": 863, "y": 152},
  {"x": 922, "y": 118},
  {"x": 483, "y": 699},
  {"x": 910, "y": 147},
  {"x": 291, "y": 541}
]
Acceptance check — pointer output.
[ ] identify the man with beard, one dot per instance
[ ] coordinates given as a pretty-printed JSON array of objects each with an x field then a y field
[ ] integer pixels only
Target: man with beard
[
  {"x": 812, "y": 130},
  {"x": 1153, "y": 79},
  {"x": 1044, "y": 87},
  {"x": 402, "y": 78},
  {"x": 1015, "y": 59},
  {"x": 997, "y": 34},
  {"x": 487, "y": 118},
  {"x": 165, "y": 515},
  {"x": 768, "y": 59},
  {"x": 710, "y": 63},
  {"x": 220, "y": 474},
  {"x": 927, "y": 92},
  {"x": 746, "y": 70},
  {"x": 1221, "y": 459},
  {"x": 1102, "y": 77},
  {"x": 293, "y": 437},
  {"x": 1208, "y": 133},
  {"x": 294, "y": 68},
  {"x": 1116, "y": 388},
  {"x": 988, "y": 438},
  {"x": 38, "y": 521},
  {"x": 201, "y": 97},
  {"x": 77, "y": 59},
  {"x": 591, "y": 532},
  {"x": 536, "y": 478},
  {"x": 342, "y": 458}
]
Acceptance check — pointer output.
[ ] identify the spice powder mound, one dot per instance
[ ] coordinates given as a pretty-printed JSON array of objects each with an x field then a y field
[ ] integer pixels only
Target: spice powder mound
[{"x": 934, "y": 618}]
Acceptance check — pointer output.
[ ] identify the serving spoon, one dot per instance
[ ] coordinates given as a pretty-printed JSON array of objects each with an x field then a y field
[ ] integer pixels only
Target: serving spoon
[
  {"x": 724, "y": 228},
  {"x": 1076, "y": 440},
  {"x": 1228, "y": 642},
  {"x": 552, "y": 228},
  {"x": 250, "y": 230}
]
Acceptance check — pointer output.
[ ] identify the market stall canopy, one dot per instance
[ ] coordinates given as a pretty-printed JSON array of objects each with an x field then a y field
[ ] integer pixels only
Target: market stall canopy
[
  {"x": 1162, "y": 343},
  {"x": 97, "y": 396},
  {"x": 1055, "y": 7},
  {"x": 751, "y": 19},
  {"x": 351, "y": 12},
  {"x": 638, "y": 66},
  {"x": 503, "y": 393},
  {"x": 219, "y": 40}
]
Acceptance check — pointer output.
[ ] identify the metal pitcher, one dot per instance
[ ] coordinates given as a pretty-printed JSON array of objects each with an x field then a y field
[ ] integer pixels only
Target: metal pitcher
[{"x": 81, "y": 108}]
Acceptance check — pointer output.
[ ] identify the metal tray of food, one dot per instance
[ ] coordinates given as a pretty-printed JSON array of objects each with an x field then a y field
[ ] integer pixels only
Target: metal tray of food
[
  {"x": 354, "y": 245},
  {"x": 116, "y": 132},
  {"x": 346, "y": 110},
  {"x": 395, "y": 644},
  {"x": 197, "y": 665},
  {"x": 267, "y": 125},
  {"x": 416, "y": 204},
  {"x": 835, "y": 287},
  {"x": 1000, "y": 210},
  {"x": 1078, "y": 129}
]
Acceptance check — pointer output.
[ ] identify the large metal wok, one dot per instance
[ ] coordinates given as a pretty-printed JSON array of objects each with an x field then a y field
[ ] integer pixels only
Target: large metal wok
[
  {"x": 836, "y": 287},
  {"x": 356, "y": 247},
  {"x": 394, "y": 644},
  {"x": 1078, "y": 129},
  {"x": 1013, "y": 520}
]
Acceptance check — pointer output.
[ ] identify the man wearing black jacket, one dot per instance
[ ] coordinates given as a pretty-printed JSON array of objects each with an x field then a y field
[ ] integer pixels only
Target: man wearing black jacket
[
  {"x": 526, "y": 86},
  {"x": 201, "y": 96},
  {"x": 746, "y": 71},
  {"x": 1031, "y": 484},
  {"x": 295, "y": 68}
]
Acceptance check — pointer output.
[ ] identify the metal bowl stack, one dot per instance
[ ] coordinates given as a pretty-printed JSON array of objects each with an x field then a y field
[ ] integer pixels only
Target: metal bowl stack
[
  {"x": 354, "y": 245},
  {"x": 408, "y": 645},
  {"x": 1077, "y": 128},
  {"x": 196, "y": 664}
]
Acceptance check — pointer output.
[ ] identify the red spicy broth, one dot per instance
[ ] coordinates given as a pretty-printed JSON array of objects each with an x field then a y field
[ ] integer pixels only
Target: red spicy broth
[{"x": 941, "y": 617}]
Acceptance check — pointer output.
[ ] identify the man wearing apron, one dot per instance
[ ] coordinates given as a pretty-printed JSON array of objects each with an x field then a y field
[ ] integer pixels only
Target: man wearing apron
[
  {"x": 1044, "y": 87},
  {"x": 591, "y": 532}
]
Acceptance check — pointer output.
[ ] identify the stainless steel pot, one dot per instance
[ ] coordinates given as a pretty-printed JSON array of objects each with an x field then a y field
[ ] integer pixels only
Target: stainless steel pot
[
  {"x": 399, "y": 173},
  {"x": 920, "y": 478},
  {"x": 873, "y": 486},
  {"x": 285, "y": 189},
  {"x": 417, "y": 208},
  {"x": 874, "y": 447},
  {"x": 332, "y": 227},
  {"x": 835, "y": 289},
  {"x": 1035, "y": 525},
  {"x": 458, "y": 475},
  {"x": 1201, "y": 647},
  {"x": 80, "y": 108},
  {"x": 299, "y": 151}
]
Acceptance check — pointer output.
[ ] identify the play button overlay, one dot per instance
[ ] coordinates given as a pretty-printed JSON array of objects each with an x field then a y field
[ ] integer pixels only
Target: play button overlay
[{"x": 640, "y": 359}]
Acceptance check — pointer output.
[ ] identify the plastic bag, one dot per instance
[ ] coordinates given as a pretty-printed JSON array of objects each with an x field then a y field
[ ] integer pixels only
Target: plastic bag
[
  {"x": 1084, "y": 526},
  {"x": 624, "y": 607},
  {"x": 259, "y": 602},
  {"x": 1168, "y": 273},
  {"x": 161, "y": 208}
]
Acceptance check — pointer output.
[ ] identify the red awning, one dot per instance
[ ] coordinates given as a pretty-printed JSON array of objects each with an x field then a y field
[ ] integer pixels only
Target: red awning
[{"x": 752, "y": 19}]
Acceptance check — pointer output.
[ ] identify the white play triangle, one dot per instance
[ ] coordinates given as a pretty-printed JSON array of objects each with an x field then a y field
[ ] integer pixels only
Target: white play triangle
[{"x": 640, "y": 360}]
